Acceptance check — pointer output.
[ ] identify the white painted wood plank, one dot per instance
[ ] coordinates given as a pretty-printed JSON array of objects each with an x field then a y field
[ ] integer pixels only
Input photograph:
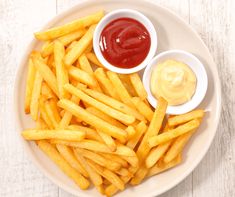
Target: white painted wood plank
[
  {"x": 18, "y": 20},
  {"x": 214, "y": 21}
]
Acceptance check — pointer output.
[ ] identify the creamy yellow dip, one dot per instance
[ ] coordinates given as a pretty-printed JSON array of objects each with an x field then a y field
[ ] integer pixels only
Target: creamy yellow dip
[{"x": 174, "y": 81}]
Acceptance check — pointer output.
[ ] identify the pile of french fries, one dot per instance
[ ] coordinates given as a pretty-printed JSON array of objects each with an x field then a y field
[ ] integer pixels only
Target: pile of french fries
[{"x": 97, "y": 125}]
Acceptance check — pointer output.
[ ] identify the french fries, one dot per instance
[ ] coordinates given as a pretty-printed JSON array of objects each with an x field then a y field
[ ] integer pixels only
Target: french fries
[
  {"x": 96, "y": 125},
  {"x": 164, "y": 137},
  {"x": 35, "y": 134},
  {"x": 29, "y": 85},
  {"x": 51, "y": 151},
  {"x": 69, "y": 27},
  {"x": 124, "y": 118}
]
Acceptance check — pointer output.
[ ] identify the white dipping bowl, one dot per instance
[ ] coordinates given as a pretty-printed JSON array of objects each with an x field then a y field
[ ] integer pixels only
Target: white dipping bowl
[
  {"x": 125, "y": 13},
  {"x": 196, "y": 66}
]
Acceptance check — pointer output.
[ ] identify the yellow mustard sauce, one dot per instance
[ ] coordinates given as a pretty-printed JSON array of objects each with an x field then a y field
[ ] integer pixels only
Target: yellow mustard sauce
[{"x": 174, "y": 81}]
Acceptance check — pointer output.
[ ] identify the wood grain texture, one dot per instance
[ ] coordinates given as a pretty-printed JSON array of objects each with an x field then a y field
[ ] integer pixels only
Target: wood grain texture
[{"x": 212, "y": 19}]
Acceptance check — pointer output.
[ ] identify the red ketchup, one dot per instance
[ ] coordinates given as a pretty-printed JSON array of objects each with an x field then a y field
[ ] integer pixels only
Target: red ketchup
[{"x": 125, "y": 42}]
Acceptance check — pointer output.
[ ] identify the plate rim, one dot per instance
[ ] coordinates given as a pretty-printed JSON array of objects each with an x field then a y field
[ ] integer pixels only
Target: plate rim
[{"x": 26, "y": 145}]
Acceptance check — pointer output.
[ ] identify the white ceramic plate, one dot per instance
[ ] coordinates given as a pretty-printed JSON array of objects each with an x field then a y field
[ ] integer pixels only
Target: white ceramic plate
[{"x": 173, "y": 33}]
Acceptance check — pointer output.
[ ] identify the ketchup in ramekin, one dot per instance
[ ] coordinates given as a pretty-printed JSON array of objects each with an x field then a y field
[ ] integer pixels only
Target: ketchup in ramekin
[{"x": 125, "y": 42}]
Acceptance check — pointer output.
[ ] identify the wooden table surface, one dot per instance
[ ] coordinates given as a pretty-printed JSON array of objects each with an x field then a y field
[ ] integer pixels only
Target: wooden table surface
[{"x": 212, "y": 19}]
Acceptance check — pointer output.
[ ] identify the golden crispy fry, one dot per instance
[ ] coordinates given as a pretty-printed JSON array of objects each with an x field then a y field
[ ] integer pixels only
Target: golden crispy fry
[
  {"x": 34, "y": 104},
  {"x": 92, "y": 58},
  {"x": 85, "y": 65},
  {"x": 82, "y": 76},
  {"x": 126, "y": 119},
  {"x": 139, "y": 175},
  {"x": 50, "y": 114},
  {"x": 109, "y": 175},
  {"x": 106, "y": 83},
  {"x": 47, "y": 49},
  {"x": 69, "y": 27},
  {"x": 127, "y": 83},
  {"x": 89, "y": 48},
  {"x": 114, "y": 104},
  {"x": 68, "y": 38},
  {"x": 138, "y": 85},
  {"x": 108, "y": 140},
  {"x": 132, "y": 160},
  {"x": 153, "y": 128},
  {"x": 180, "y": 119},
  {"x": 61, "y": 72},
  {"x": 69, "y": 156},
  {"x": 90, "y": 133},
  {"x": 164, "y": 137},
  {"x": 51, "y": 152},
  {"x": 140, "y": 130},
  {"x": 44, "y": 114},
  {"x": 105, "y": 117},
  {"x": 29, "y": 85},
  {"x": 131, "y": 132},
  {"x": 55, "y": 109},
  {"x": 120, "y": 88},
  {"x": 93, "y": 120},
  {"x": 115, "y": 158},
  {"x": 79, "y": 47},
  {"x": 156, "y": 169},
  {"x": 123, "y": 172},
  {"x": 94, "y": 176},
  {"x": 70, "y": 46},
  {"x": 144, "y": 109},
  {"x": 177, "y": 146},
  {"x": 37, "y": 134},
  {"x": 46, "y": 91},
  {"x": 47, "y": 74},
  {"x": 99, "y": 159},
  {"x": 157, "y": 152}
]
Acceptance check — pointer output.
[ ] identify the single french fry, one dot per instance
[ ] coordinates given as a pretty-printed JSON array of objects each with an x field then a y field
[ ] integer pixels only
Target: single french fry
[
  {"x": 85, "y": 65},
  {"x": 34, "y": 103},
  {"x": 54, "y": 155},
  {"x": 139, "y": 175},
  {"x": 70, "y": 46},
  {"x": 50, "y": 114},
  {"x": 138, "y": 86},
  {"x": 29, "y": 85},
  {"x": 68, "y": 38},
  {"x": 108, "y": 140},
  {"x": 69, "y": 156},
  {"x": 180, "y": 130},
  {"x": 126, "y": 119},
  {"x": 177, "y": 146},
  {"x": 127, "y": 83},
  {"x": 144, "y": 109},
  {"x": 47, "y": 49},
  {"x": 44, "y": 114},
  {"x": 156, "y": 169},
  {"x": 115, "y": 158},
  {"x": 92, "y": 58},
  {"x": 106, "y": 83},
  {"x": 114, "y": 104},
  {"x": 140, "y": 130},
  {"x": 180, "y": 119},
  {"x": 157, "y": 152},
  {"x": 69, "y": 27},
  {"x": 55, "y": 109},
  {"x": 82, "y": 76},
  {"x": 93, "y": 120},
  {"x": 91, "y": 134},
  {"x": 46, "y": 91},
  {"x": 99, "y": 159},
  {"x": 120, "y": 88},
  {"x": 94, "y": 176},
  {"x": 109, "y": 175},
  {"x": 80, "y": 46},
  {"x": 123, "y": 172},
  {"x": 47, "y": 74},
  {"x": 105, "y": 117},
  {"x": 37, "y": 134},
  {"x": 61, "y": 72},
  {"x": 153, "y": 128},
  {"x": 131, "y": 132}
]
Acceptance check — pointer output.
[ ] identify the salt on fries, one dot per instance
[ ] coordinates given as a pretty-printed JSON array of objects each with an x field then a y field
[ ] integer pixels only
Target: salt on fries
[{"x": 96, "y": 125}]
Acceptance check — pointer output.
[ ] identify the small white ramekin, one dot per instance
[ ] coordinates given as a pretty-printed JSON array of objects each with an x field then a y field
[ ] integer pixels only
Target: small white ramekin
[
  {"x": 127, "y": 13},
  {"x": 196, "y": 66}
]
